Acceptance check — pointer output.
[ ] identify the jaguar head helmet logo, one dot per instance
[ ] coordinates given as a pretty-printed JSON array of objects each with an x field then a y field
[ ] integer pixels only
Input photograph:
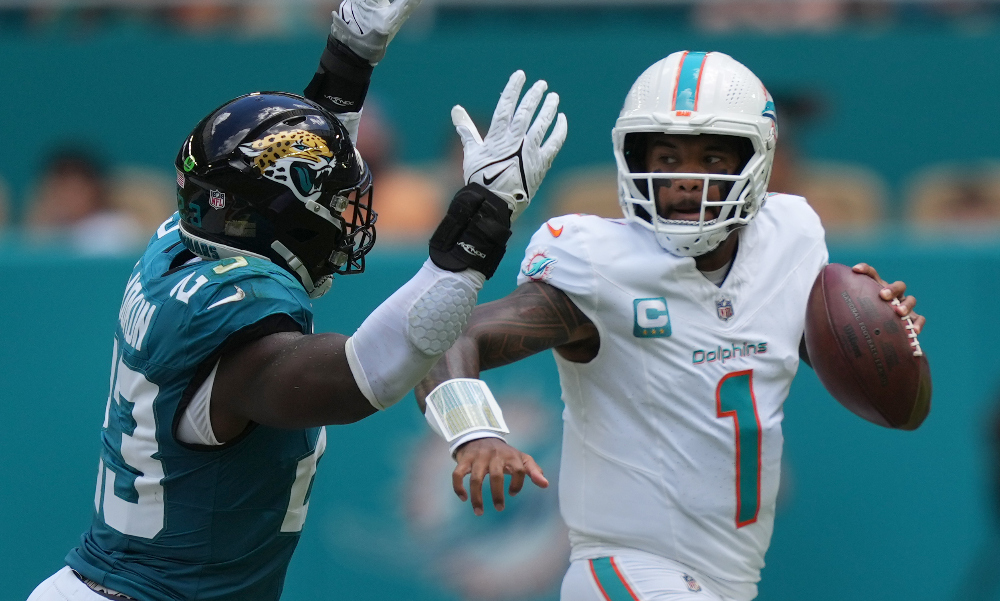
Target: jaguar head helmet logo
[{"x": 297, "y": 159}]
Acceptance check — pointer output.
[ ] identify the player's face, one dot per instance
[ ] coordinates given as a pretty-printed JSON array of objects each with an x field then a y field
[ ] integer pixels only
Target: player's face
[{"x": 680, "y": 199}]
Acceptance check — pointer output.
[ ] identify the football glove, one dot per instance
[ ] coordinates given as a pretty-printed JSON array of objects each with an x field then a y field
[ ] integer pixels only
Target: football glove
[
  {"x": 367, "y": 26},
  {"x": 511, "y": 160}
]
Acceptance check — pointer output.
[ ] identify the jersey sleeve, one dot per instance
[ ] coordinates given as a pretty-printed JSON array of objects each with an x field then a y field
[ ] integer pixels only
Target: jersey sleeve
[
  {"x": 559, "y": 255},
  {"x": 797, "y": 221},
  {"x": 243, "y": 303},
  {"x": 811, "y": 240}
]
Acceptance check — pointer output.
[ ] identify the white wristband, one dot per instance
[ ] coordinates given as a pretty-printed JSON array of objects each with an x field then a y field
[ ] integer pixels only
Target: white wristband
[
  {"x": 464, "y": 409},
  {"x": 474, "y": 435}
]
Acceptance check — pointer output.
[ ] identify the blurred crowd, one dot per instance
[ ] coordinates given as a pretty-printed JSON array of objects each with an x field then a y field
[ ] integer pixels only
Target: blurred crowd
[
  {"x": 850, "y": 198},
  {"x": 273, "y": 16},
  {"x": 77, "y": 200}
]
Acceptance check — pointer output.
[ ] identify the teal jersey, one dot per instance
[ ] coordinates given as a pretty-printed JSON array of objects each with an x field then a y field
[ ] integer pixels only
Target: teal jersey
[{"x": 175, "y": 521}]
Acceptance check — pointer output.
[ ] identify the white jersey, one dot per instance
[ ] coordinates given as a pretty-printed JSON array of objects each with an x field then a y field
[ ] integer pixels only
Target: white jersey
[{"x": 672, "y": 434}]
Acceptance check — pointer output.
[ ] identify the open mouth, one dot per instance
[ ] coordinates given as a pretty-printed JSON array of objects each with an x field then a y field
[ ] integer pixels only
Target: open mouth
[
  {"x": 308, "y": 181},
  {"x": 689, "y": 213}
]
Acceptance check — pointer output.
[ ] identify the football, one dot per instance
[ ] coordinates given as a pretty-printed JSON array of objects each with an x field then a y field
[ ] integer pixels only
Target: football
[{"x": 865, "y": 354}]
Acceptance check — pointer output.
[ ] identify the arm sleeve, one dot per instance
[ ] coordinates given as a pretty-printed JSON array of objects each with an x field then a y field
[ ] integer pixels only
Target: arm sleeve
[
  {"x": 404, "y": 337},
  {"x": 340, "y": 84}
]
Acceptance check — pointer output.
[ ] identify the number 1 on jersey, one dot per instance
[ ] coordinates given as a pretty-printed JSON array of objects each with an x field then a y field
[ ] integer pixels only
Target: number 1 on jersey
[{"x": 734, "y": 398}]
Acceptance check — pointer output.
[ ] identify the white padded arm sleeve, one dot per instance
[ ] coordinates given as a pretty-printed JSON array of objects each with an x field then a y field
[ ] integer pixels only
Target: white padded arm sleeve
[
  {"x": 404, "y": 337},
  {"x": 351, "y": 121}
]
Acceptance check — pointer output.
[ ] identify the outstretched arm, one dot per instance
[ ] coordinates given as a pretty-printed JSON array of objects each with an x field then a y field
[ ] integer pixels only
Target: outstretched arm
[
  {"x": 359, "y": 35},
  {"x": 533, "y": 318},
  {"x": 290, "y": 380},
  {"x": 293, "y": 381}
]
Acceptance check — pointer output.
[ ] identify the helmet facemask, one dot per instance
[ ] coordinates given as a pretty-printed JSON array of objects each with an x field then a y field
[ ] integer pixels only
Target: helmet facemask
[
  {"x": 358, "y": 219},
  {"x": 725, "y": 202}
]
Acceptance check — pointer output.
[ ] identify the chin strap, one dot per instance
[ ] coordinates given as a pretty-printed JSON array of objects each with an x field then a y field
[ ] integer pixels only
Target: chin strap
[{"x": 313, "y": 289}]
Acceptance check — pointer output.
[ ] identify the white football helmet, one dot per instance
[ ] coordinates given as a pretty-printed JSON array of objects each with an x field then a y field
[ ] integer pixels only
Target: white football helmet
[{"x": 694, "y": 93}]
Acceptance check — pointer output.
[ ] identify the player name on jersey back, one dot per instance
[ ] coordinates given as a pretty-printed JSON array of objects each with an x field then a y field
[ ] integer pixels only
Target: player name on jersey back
[{"x": 136, "y": 314}]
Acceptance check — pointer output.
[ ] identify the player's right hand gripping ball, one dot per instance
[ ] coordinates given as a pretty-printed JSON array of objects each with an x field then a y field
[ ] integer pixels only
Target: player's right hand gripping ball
[
  {"x": 367, "y": 26},
  {"x": 473, "y": 233},
  {"x": 511, "y": 160}
]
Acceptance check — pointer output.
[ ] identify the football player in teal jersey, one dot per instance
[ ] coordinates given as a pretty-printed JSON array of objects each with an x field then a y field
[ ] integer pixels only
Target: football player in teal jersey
[{"x": 219, "y": 389}]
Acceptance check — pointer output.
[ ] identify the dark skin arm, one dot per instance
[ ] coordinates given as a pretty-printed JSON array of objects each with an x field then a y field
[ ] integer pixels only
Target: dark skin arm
[
  {"x": 286, "y": 380},
  {"x": 533, "y": 318},
  {"x": 291, "y": 380}
]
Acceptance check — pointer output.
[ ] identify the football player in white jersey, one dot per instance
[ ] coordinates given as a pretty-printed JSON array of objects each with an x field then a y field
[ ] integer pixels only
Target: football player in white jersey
[{"x": 677, "y": 332}]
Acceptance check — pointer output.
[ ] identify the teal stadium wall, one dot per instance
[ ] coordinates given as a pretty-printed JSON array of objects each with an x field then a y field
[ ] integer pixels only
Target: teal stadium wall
[
  {"x": 896, "y": 99},
  {"x": 866, "y": 514}
]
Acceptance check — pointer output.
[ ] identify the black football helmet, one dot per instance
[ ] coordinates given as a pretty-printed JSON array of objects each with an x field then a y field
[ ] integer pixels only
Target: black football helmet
[{"x": 274, "y": 175}]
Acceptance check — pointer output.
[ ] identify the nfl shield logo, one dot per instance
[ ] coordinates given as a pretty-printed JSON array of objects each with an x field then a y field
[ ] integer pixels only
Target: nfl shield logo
[
  {"x": 693, "y": 585},
  {"x": 725, "y": 309},
  {"x": 217, "y": 199}
]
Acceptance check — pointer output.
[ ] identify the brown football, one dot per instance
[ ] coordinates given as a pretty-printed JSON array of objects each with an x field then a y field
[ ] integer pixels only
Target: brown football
[{"x": 862, "y": 350}]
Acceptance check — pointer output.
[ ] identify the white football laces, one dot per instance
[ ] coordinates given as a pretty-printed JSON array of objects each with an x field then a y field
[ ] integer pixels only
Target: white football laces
[{"x": 912, "y": 335}]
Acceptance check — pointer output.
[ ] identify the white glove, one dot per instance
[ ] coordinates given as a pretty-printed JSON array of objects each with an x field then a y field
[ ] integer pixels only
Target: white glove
[
  {"x": 511, "y": 160},
  {"x": 367, "y": 26}
]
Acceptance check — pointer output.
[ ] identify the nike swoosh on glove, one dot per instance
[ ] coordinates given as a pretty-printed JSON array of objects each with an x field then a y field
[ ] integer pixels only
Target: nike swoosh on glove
[
  {"x": 512, "y": 160},
  {"x": 367, "y": 26}
]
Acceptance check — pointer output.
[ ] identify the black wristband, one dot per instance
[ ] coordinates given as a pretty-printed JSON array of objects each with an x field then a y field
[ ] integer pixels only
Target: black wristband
[
  {"x": 473, "y": 233},
  {"x": 341, "y": 81}
]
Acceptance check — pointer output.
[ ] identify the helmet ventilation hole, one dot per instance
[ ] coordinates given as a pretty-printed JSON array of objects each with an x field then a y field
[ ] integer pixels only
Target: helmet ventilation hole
[{"x": 737, "y": 92}]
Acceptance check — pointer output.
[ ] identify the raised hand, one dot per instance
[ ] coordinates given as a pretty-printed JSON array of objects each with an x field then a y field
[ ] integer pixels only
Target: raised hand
[
  {"x": 512, "y": 159},
  {"x": 367, "y": 26}
]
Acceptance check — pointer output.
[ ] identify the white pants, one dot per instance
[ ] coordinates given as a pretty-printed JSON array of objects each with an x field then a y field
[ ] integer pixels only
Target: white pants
[
  {"x": 633, "y": 578},
  {"x": 64, "y": 586}
]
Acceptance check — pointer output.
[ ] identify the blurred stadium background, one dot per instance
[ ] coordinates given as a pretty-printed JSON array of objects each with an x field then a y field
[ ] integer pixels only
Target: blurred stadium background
[{"x": 888, "y": 123}]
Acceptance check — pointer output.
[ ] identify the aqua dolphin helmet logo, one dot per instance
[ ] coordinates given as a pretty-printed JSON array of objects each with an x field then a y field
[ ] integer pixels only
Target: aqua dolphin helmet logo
[{"x": 297, "y": 159}]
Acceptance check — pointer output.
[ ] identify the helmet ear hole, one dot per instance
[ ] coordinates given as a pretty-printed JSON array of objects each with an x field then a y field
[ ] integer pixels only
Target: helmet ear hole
[
  {"x": 745, "y": 151},
  {"x": 634, "y": 149},
  {"x": 301, "y": 234}
]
